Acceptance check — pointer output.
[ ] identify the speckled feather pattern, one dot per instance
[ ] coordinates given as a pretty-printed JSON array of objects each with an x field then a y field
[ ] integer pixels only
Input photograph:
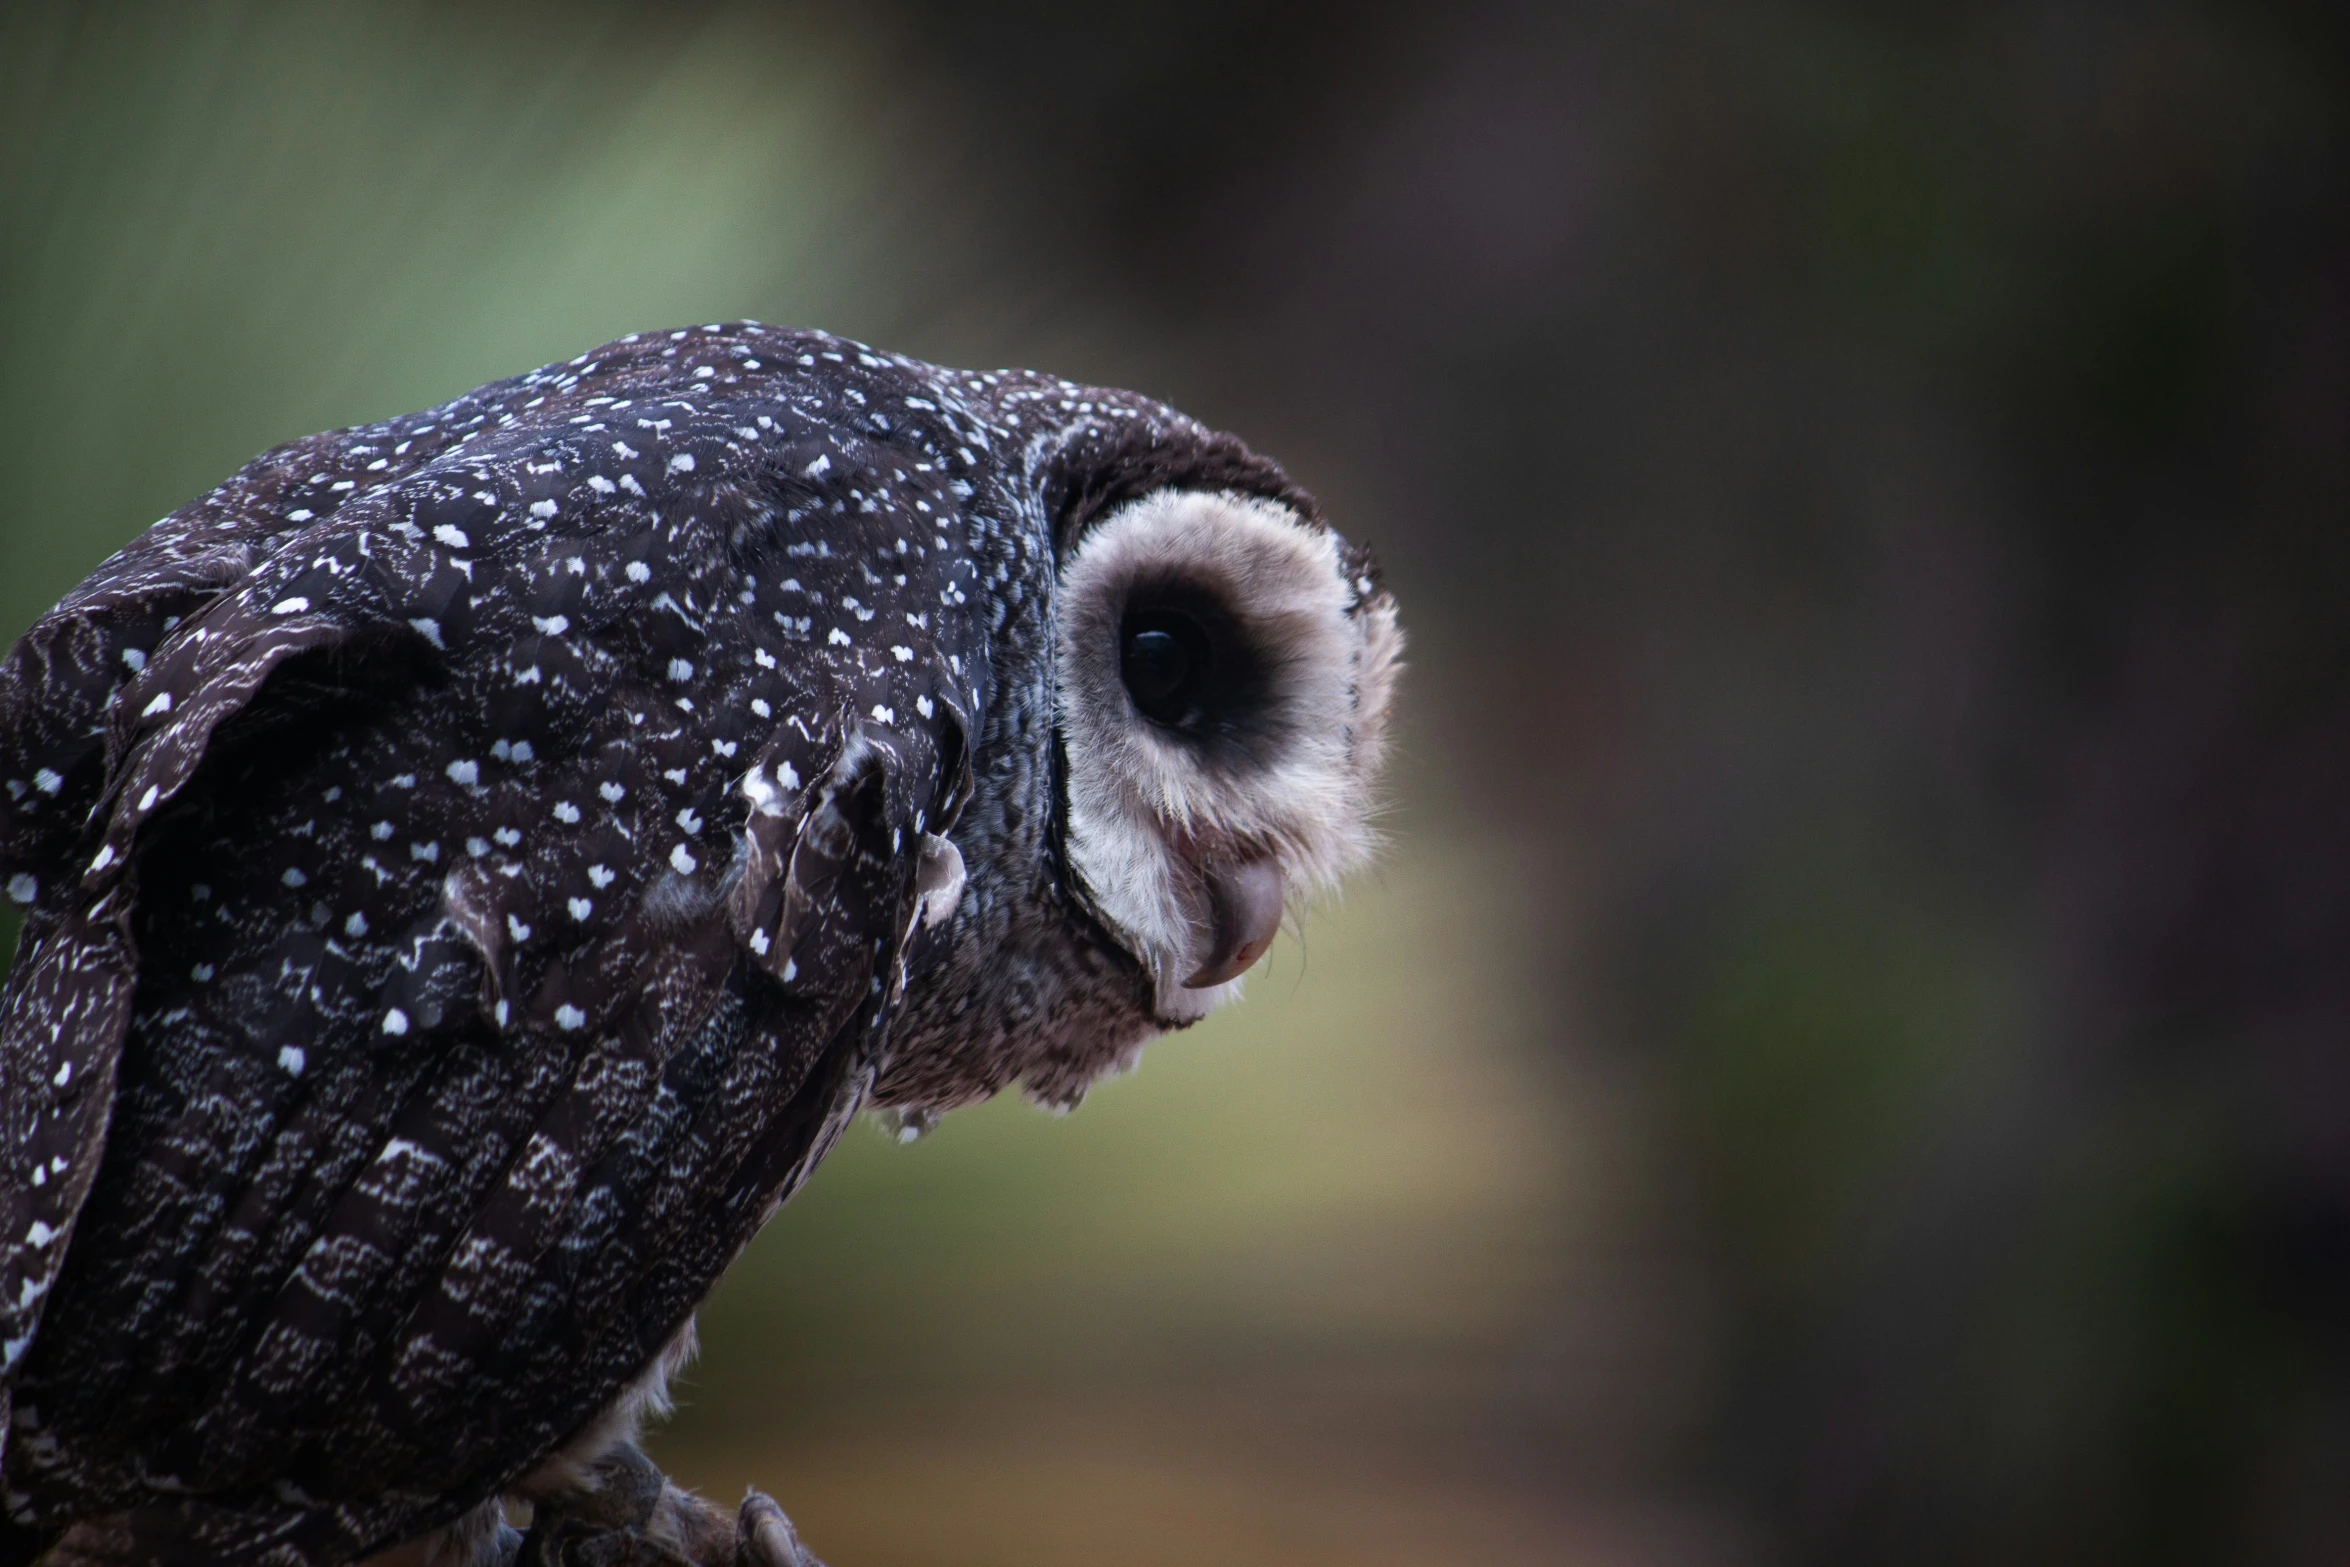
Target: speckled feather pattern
[{"x": 470, "y": 867}]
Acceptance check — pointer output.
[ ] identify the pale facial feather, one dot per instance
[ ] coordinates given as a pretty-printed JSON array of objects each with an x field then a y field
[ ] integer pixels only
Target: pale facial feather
[{"x": 1149, "y": 806}]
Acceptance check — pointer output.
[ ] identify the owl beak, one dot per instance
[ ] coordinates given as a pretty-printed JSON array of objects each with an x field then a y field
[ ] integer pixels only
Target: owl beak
[{"x": 1245, "y": 902}]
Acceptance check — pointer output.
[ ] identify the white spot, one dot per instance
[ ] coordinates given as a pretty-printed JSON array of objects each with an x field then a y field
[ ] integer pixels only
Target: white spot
[
  {"x": 517, "y": 929},
  {"x": 161, "y": 704},
  {"x": 292, "y": 606},
  {"x": 760, "y": 707},
  {"x": 883, "y": 714},
  {"x": 612, "y": 792},
  {"x": 39, "y": 1235},
  {"x": 48, "y": 782},
  {"x": 676, "y": 775},
  {"x": 600, "y": 876},
  {"x": 759, "y": 942},
  {"x": 430, "y": 630},
  {"x": 681, "y": 669},
  {"x": 839, "y": 638},
  {"x": 501, "y": 1011},
  {"x": 136, "y": 659},
  {"x": 581, "y": 908},
  {"x": 689, "y": 820},
  {"x": 454, "y": 537},
  {"x": 904, "y": 655},
  {"x": 569, "y": 1017},
  {"x": 428, "y": 852},
  {"x": 508, "y": 836},
  {"x": 763, "y": 658},
  {"x": 395, "y": 1021},
  {"x": 623, "y": 449},
  {"x": 23, "y": 887},
  {"x": 64, "y": 1074},
  {"x": 638, "y": 571},
  {"x": 294, "y": 877},
  {"x": 104, "y": 858},
  {"x": 380, "y": 832},
  {"x": 922, "y": 705},
  {"x": 786, "y": 775},
  {"x": 818, "y": 468},
  {"x": 566, "y": 812},
  {"x": 291, "y": 1058},
  {"x": 552, "y": 625},
  {"x": 791, "y": 968},
  {"x": 202, "y": 973},
  {"x": 355, "y": 926},
  {"x": 542, "y": 509},
  {"x": 683, "y": 858},
  {"x": 683, "y": 462},
  {"x": 466, "y": 773},
  {"x": 601, "y": 485}
]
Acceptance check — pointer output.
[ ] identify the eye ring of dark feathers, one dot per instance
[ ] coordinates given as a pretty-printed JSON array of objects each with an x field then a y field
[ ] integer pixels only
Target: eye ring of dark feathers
[{"x": 1190, "y": 667}]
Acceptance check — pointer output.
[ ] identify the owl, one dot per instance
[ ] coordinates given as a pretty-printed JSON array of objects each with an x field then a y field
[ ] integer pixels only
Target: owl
[{"x": 474, "y": 866}]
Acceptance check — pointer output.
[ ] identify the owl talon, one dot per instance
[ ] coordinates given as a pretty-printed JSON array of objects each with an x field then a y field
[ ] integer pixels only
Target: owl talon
[
  {"x": 764, "y": 1537},
  {"x": 632, "y": 1515}
]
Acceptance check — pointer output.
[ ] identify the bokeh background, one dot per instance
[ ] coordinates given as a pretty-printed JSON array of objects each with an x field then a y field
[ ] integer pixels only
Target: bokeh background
[{"x": 1847, "y": 1058}]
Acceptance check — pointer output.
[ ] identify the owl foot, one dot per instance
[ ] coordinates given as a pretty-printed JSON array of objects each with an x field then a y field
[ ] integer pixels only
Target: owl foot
[
  {"x": 764, "y": 1537},
  {"x": 632, "y": 1515}
]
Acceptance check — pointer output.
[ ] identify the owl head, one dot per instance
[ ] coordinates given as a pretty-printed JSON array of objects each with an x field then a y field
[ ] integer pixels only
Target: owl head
[
  {"x": 1188, "y": 712},
  {"x": 1224, "y": 667}
]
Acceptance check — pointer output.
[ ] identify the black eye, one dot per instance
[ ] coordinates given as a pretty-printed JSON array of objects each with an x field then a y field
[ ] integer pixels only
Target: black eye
[{"x": 1167, "y": 661}]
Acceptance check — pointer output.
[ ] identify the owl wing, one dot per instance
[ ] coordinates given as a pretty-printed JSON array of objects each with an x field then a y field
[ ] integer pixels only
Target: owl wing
[
  {"x": 59, "y": 692},
  {"x": 492, "y": 909},
  {"x": 58, "y": 684}
]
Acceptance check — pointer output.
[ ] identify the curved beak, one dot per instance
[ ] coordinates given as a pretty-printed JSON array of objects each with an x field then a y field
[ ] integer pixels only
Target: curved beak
[{"x": 1244, "y": 902}]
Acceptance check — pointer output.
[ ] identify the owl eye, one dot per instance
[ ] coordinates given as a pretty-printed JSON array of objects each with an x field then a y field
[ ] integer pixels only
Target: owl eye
[{"x": 1167, "y": 662}]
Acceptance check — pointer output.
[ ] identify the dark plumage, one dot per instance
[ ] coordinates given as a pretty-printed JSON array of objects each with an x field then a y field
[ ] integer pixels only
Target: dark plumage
[{"x": 477, "y": 863}]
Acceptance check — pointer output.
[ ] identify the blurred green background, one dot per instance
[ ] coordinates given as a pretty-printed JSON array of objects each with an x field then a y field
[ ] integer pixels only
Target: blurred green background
[{"x": 1845, "y": 1057}]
